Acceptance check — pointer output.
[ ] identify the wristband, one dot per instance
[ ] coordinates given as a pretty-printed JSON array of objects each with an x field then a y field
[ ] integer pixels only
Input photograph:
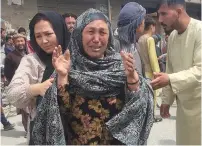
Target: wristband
[{"x": 133, "y": 83}]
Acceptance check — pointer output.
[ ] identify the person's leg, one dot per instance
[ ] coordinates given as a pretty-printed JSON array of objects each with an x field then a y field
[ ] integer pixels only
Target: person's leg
[
  {"x": 31, "y": 142},
  {"x": 18, "y": 111},
  {"x": 24, "y": 119},
  {"x": 4, "y": 121},
  {"x": 7, "y": 125},
  {"x": 156, "y": 118}
]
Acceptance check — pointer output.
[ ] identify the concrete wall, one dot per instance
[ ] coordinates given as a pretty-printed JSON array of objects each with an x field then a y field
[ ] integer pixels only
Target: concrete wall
[
  {"x": 115, "y": 10},
  {"x": 18, "y": 15}
]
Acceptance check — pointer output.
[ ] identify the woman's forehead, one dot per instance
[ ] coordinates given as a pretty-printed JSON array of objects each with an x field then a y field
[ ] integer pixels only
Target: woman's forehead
[
  {"x": 89, "y": 16},
  {"x": 101, "y": 24},
  {"x": 42, "y": 26}
]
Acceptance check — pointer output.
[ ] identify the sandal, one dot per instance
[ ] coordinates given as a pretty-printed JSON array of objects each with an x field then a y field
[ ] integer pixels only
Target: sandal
[{"x": 157, "y": 119}]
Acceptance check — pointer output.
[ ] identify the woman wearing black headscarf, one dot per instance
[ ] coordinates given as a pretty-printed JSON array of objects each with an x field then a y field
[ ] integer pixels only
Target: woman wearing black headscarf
[
  {"x": 33, "y": 76},
  {"x": 97, "y": 97}
]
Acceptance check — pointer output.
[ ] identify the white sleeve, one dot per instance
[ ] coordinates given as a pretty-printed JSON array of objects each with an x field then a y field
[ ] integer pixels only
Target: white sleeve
[{"x": 27, "y": 73}]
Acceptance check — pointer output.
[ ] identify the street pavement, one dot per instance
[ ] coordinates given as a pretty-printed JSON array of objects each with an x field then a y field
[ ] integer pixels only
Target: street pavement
[
  {"x": 162, "y": 133},
  {"x": 16, "y": 136}
]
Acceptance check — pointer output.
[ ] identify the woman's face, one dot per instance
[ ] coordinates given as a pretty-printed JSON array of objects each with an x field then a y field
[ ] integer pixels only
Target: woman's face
[
  {"x": 45, "y": 36},
  {"x": 95, "y": 38}
]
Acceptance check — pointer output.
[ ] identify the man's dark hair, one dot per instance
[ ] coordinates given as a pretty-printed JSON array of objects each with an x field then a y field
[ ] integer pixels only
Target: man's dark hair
[
  {"x": 2, "y": 29},
  {"x": 8, "y": 37},
  {"x": 21, "y": 29},
  {"x": 69, "y": 15},
  {"x": 168, "y": 32},
  {"x": 149, "y": 20},
  {"x": 171, "y": 3}
]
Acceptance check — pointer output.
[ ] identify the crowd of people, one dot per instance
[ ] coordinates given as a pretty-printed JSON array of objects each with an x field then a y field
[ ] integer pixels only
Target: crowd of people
[{"x": 78, "y": 82}]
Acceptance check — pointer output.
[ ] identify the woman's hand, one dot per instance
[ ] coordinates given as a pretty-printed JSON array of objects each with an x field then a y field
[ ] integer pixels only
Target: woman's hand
[
  {"x": 40, "y": 88},
  {"x": 43, "y": 87},
  {"x": 131, "y": 74},
  {"x": 61, "y": 62}
]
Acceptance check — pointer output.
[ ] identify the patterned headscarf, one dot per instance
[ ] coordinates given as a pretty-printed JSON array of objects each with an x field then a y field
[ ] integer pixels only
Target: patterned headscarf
[
  {"x": 87, "y": 17},
  {"x": 94, "y": 78},
  {"x": 130, "y": 17}
]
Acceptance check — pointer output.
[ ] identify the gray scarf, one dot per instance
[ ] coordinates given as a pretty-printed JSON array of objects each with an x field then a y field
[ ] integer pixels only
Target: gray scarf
[
  {"x": 92, "y": 78},
  {"x": 130, "y": 17}
]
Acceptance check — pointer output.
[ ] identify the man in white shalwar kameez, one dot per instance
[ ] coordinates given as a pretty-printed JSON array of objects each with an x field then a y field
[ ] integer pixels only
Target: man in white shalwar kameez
[{"x": 182, "y": 80}]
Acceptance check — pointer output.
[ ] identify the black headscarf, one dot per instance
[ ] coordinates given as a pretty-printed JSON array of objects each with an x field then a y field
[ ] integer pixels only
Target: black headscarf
[
  {"x": 59, "y": 28},
  {"x": 62, "y": 35}
]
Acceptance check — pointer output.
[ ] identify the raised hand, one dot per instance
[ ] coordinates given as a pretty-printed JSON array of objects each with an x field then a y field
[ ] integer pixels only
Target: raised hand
[
  {"x": 129, "y": 65},
  {"x": 61, "y": 62}
]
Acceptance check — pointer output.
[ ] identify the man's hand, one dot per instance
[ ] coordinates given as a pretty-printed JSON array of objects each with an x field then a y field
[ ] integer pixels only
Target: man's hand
[
  {"x": 162, "y": 56},
  {"x": 164, "y": 110},
  {"x": 160, "y": 80}
]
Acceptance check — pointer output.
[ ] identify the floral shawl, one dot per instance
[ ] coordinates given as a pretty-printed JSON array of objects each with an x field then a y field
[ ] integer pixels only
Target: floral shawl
[{"x": 91, "y": 78}]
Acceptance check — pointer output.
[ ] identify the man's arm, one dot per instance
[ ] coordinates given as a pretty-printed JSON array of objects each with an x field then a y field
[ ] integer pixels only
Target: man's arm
[{"x": 168, "y": 96}]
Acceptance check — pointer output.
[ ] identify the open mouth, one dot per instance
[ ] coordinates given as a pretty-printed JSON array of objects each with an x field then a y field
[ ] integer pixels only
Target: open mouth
[{"x": 96, "y": 49}]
